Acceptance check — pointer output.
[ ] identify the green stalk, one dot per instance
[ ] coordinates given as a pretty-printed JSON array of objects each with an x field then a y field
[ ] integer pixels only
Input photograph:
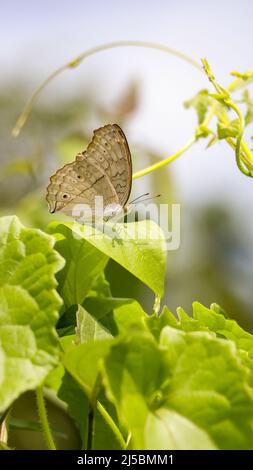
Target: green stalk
[
  {"x": 75, "y": 62},
  {"x": 238, "y": 83},
  {"x": 164, "y": 162},
  {"x": 240, "y": 142},
  {"x": 94, "y": 405},
  {"x": 44, "y": 419},
  {"x": 114, "y": 428},
  {"x": 90, "y": 434}
]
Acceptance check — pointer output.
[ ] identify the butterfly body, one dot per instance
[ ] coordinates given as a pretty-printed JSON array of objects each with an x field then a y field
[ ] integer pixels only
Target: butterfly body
[{"x": 103, "y": 170}]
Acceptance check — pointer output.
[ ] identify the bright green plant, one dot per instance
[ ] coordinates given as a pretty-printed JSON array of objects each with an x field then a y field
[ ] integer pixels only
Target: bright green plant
[
  {"x": 207, "y": 105},
  {"x": 130, "y": 379}
]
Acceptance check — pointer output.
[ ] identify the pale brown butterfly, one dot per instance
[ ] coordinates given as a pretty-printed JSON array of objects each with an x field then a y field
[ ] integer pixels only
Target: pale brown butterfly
[{"x": 103, "y": 169}]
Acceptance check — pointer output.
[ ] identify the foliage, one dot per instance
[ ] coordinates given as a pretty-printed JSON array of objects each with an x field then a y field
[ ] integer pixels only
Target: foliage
[
  {"x": 129, "y": 378},
  {"x": 150, "y": 381},
  {"x": 29, "y": 308},
  {"x": 206, "y": 104}
]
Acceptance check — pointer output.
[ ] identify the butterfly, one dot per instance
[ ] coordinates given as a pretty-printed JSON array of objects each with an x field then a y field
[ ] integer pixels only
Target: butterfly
[{"x": 103, "y": 170}]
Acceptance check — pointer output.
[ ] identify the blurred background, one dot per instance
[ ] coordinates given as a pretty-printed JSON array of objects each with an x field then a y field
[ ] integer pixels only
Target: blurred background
[{"x": 144, "y": 91}]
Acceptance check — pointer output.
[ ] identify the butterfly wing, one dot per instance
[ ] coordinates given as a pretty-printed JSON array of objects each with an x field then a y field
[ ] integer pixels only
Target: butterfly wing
[
  {"x": 104, "y": 169},
  {"x": 109, "y": 150}
]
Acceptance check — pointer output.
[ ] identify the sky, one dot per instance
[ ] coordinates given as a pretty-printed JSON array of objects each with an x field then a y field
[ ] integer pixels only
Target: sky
[{"x": 37, "y": 36}]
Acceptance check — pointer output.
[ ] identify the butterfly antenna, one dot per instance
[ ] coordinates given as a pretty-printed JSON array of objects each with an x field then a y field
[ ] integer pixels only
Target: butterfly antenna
[
  {"x": 145, "y": 198},
  {"x": 139, "y": 197}
]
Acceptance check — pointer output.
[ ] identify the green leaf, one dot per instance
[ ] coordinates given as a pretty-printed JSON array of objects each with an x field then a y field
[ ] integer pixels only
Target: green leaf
[
  {"x": 30, "y": 425},
  {"x": 229, "y": 130},
  {"x": 100, "y": 287},
  {"x": 116, "y": 315},
  {"x": 78, "y": 408},
  {"x": 136, "y": 373},
  {"x": 156, "y": 323},
  {"x": 88, "y": 328},
  {"x": 222, "y": 326},
  {"x": 137, "y": 246},
  {"x": 166, "y": 429},
  {"x": 209, "y": 385},
  {"x": 68, "y": 342},
  {"x": 84, "y": 263},
  {"x": 182, "y": 322},
  {"x": 29, "y": 307},
  {"x": 104, "y": 437},
  {"x": 78, "y": 405},
  {"x": 130, "y": 317},
  {"x": 67, "y": 322},
  {"x": 203, "y": 132},
  {"x": 218, "y": 309},
  {"x": 204, "y": 319},
  {"x": 201, "y": 103},
  {"x": 84, "y": 362},
  {"x": 192, "y": 387},
  {"x": 134, "y": 370},
  {"x": 54, "y": 378}
]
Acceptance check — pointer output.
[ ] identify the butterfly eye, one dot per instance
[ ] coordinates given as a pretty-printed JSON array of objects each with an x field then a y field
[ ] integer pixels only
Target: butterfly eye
[
  {"x": 65, "y": 196},
  {"x": 79, "y": 177}
]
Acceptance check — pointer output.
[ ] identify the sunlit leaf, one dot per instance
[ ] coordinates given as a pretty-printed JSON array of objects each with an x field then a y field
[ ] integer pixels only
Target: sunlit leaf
[
  {"x": 201, "y": 103},
  {"x": 84, "y": 263},
  {"x": 29, "y": 307},
  {"x": 195, "y": 375},
  {"x": 137, "y": 246},
  {"x": 229, "y": 130}
]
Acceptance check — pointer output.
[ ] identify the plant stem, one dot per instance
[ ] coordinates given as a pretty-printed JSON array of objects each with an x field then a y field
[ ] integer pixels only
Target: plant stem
[
  {"x": 164, "y": 162},
  {"x": 44, "y": 419},
  {"x": 236, "y": 84},
  {"x": 94, "y": 405},
  {"x": 90, "y": 427},
  {"x": 240, "y": 145},
  {"x": 75, "y": 62},
  {"x": 92, "y": 409},
  {"x": 114, "y": 428},
  {"x": 240, "y": 142}
]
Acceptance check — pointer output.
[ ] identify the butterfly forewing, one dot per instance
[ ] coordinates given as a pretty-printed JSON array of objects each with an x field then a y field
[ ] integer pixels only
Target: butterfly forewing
[{"x": 104, "y": 169}]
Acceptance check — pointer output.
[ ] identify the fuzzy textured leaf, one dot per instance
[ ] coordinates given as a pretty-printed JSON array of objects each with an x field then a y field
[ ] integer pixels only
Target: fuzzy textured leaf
[
  {"x": 199, "y": 377},
  {"x": 29, "y": 306}
]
